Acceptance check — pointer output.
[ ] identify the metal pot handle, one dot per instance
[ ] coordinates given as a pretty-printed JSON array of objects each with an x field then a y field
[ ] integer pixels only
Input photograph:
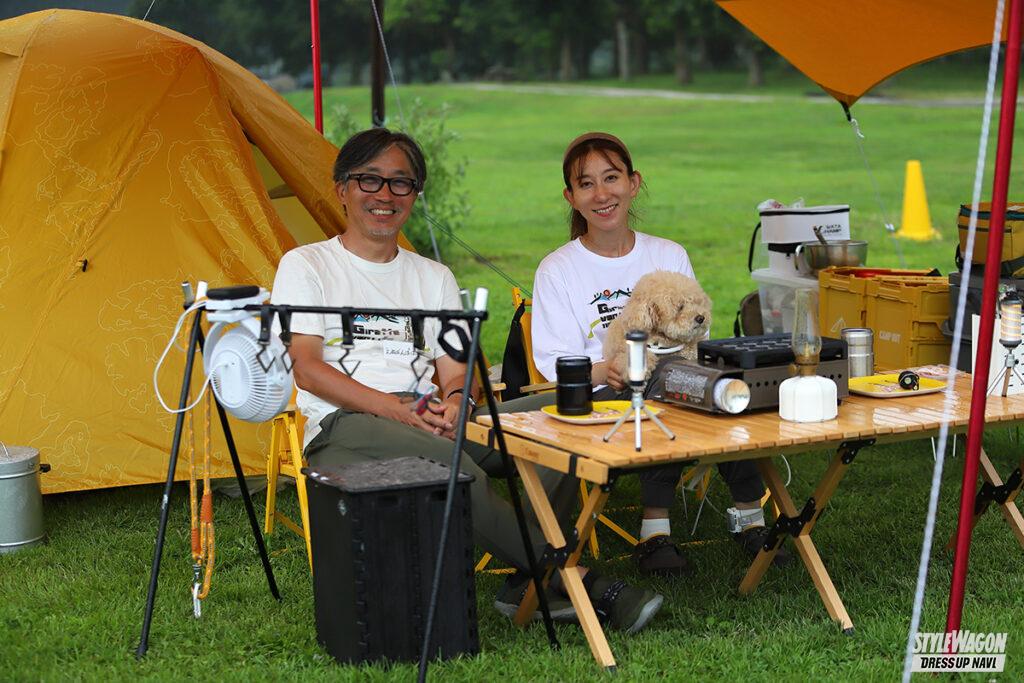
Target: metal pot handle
[{"x": 796, "y": 256}]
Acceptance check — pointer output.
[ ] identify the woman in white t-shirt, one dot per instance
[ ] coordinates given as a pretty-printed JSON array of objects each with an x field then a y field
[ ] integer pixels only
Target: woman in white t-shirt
[{"x": 580, "y": 288}]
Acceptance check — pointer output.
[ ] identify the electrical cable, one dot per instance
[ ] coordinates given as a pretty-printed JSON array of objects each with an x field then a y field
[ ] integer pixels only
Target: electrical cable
[
  {"x": 160, "y": 362},
  {"x": 933, "y": 498}
]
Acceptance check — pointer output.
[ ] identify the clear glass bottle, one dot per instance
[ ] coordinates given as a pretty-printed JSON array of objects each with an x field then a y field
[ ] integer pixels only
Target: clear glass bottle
[{"x": 806, "y": 335}]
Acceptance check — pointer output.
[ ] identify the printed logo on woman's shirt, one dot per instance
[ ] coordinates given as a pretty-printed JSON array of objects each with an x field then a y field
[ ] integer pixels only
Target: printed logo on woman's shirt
[{"x": 609, "y": 295}]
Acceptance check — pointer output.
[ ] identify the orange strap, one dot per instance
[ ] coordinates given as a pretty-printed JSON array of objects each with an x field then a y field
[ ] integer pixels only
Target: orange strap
[{"x": 203, "y": 543}]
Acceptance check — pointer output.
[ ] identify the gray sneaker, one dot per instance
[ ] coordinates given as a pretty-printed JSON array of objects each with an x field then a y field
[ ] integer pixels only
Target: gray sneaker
[{"x": 513, "y": 591}]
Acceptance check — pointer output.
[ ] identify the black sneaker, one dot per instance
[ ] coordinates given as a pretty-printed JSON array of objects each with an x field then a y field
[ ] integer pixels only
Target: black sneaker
[
  {"x": 660, "y": 556},
  {"x": 513, "y": 591},
  {"x": 753, "y": 539},
  {"x": 625, "y": 607}
]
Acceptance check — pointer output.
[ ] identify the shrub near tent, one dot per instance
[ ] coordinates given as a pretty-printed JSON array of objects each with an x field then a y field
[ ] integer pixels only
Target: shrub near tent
[{"x": 132, "y": 158}]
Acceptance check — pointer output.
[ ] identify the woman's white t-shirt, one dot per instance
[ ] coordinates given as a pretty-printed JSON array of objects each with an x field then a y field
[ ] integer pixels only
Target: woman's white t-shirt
[{"x": 577, "y": 294}]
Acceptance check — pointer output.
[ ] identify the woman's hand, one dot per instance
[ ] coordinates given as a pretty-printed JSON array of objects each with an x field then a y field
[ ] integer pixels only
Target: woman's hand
[
  {"x": 614, "y": 379},
  {"x": 604, "y": 372}
]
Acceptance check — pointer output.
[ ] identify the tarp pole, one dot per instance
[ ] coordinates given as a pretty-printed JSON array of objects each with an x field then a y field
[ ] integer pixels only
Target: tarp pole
[
  {"x": 318, "y": 93},
  {"x": 976, "y": 426},
  {"x": 377, "y": 65}
]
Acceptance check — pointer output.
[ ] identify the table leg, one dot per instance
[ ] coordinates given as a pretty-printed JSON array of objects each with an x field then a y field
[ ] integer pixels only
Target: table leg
[
  {"x": 994, "y": 490},
  {"x": 799, "y": 525},
  {"x": 570, "y": 575}
]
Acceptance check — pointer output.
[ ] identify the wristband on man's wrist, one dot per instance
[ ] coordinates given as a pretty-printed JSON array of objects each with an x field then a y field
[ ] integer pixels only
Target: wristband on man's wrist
[{"x": 451, "y": 393}]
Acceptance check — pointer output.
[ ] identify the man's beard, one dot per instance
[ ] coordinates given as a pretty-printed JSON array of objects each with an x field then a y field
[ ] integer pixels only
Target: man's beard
[{"x": 382, "y": 234}]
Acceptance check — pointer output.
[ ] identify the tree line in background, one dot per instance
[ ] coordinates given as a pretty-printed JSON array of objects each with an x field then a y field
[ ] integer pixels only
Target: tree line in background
[{"x": 441, "y": 40}]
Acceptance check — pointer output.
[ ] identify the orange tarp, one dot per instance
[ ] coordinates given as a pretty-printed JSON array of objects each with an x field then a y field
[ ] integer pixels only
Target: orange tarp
[{"x": 848, "y": 47}]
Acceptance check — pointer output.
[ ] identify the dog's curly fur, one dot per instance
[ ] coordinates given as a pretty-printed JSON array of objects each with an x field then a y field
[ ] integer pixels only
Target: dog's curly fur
[{"x": 670, "y": 307}]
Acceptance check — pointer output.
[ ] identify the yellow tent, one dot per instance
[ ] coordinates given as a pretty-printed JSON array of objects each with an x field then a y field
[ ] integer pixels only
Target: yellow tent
[
  {"x": 848, "y": 47},
  {"x": 131, "y": 158}
]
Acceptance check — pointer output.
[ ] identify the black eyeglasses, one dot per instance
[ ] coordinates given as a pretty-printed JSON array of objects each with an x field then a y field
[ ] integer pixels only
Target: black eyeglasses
[{"x": 370, "y": 182}]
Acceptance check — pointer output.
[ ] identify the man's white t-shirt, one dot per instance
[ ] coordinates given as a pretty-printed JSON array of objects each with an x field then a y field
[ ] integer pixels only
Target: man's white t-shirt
[
  {"x": 327, "y": 274},
  {"x": 577, "y": 294}
]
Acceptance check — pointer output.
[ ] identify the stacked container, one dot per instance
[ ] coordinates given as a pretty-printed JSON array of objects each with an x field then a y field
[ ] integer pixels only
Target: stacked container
[
  {"x": 781, "y": 231},
  {"x": 906, "y": 310}
]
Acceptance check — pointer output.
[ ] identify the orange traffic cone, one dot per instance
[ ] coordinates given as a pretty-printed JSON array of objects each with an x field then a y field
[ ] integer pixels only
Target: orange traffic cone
[{"x": 916, "y": 223}]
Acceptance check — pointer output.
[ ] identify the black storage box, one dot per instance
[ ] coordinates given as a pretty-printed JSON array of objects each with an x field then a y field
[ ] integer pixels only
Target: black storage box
[
  {"x": 972, "y": 306},
  {"x": 375, "y": 531}
]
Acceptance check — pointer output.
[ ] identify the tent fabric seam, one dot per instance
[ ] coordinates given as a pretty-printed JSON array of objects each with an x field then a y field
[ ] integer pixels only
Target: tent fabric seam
[{"x": 17, "y": 80}]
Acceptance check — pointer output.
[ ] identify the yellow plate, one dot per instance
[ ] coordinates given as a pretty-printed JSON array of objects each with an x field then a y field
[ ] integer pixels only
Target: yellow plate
[
  {"x": 603, "y": 413},
  {"x": 888, "y": 386}
]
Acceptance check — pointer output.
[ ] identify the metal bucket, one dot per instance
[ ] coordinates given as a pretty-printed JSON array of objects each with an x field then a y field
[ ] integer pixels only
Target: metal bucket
[{"x": 21, "y": 500}]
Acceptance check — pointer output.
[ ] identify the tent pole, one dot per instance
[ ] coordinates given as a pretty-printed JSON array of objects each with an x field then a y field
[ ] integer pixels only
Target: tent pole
[
  {"x": 377, "y": 64},
  {"x": 318, "y": 94},
  {"x": 1004, "y": 152}
]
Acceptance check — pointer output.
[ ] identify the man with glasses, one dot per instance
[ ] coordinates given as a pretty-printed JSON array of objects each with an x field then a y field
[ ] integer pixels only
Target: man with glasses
[{"x": 359, "y": 405}]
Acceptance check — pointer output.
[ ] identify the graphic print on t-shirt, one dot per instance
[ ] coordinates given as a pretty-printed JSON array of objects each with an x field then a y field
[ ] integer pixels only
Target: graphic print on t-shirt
[
  {"x": 394, "y": 333},
  {"x": 609, "y": 304}
]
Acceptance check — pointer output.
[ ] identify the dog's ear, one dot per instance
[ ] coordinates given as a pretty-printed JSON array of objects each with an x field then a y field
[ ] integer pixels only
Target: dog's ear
[{"x": 638, "y": 315}]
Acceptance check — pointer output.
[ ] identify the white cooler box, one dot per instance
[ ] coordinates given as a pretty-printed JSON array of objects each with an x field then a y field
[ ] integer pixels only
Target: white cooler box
[
  {"x": 783, "y": 229},
  {"x": 778, "y": 298}
]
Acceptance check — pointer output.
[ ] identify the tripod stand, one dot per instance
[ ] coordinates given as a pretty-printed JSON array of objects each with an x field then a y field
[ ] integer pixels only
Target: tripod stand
[
  {"x": 196, "y": 342},
  {"x": 1008, "y": 372},
  {"x": 637, "y": 409},
  {"x": 636, "y": 343}
]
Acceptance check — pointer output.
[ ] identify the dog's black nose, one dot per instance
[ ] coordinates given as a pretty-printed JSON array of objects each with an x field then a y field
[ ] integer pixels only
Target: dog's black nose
[{"x": 699, "y": 319}]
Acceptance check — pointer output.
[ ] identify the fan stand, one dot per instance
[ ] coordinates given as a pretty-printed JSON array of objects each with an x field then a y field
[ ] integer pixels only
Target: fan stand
[{"x": 196, "y": 342}]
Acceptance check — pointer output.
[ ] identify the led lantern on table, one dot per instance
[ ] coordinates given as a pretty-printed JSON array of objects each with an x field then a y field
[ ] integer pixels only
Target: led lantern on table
[{"x": 807, "y": 397}]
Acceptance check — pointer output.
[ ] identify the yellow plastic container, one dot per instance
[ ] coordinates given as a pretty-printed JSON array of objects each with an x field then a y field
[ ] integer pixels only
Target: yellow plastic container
[
  {"x": 906, "y": 315},
  {"x": 842, "y": 295}
]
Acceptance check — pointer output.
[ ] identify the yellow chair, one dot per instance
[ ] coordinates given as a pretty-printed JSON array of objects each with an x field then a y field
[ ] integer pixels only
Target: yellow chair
[{"x": 285, "y": 457}]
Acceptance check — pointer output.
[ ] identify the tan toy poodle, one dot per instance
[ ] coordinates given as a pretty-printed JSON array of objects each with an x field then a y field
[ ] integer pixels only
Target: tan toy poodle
[{"x": 671, "y": 308}]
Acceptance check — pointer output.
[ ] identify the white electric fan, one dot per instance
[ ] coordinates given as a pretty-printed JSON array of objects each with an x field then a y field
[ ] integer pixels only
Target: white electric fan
[{"x": 232, "y": 357}]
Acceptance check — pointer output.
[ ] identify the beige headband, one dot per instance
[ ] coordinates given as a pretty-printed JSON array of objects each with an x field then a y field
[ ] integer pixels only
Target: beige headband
[{"x": 594, "y": 135}]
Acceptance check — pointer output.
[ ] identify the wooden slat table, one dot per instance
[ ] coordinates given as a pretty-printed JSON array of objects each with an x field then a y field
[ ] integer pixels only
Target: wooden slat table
[{"x": 534, "y": 439}]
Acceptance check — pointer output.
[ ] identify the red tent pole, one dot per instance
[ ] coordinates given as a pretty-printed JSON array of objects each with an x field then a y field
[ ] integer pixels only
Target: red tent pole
[
  {"x": 1004, "y": 151},
  {"x": 318, "y": 94}
]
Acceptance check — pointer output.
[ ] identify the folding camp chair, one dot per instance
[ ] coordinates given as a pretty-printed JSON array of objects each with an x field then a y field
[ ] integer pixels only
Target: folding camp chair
[{"x": 285, "y": 457}]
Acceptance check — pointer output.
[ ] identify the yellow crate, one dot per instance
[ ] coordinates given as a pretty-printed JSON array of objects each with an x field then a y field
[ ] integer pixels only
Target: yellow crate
[
  {"x": 915, "y": 353},
  {"x": 906, "y": 315},
  {"x": 842, "y": 291}
]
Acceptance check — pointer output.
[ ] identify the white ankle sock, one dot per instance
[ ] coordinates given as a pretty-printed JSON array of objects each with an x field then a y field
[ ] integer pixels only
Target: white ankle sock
[
  {"x": 751, "y": 518},
  {"x": 654, "y": 527}
]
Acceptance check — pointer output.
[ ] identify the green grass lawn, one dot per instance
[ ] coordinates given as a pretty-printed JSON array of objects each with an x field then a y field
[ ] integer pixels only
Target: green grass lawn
[
  {"x": 706, "y": 166},
  {"x": 72, "y": 609}
]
